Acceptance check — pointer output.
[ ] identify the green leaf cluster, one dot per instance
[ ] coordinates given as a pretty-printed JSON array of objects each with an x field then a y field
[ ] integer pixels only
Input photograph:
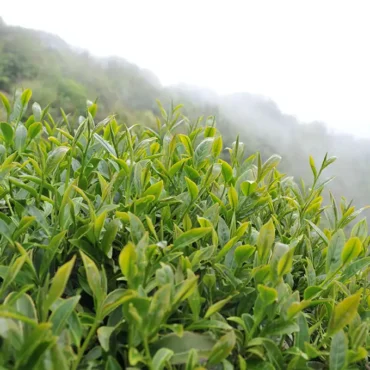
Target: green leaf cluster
[{"x": 133, "y": 247}]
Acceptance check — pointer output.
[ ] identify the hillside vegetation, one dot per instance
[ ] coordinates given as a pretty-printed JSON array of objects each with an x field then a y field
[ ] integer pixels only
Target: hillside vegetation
[
  {"x": 132, "y": 247},
  {"x": 65, "y": 77}
]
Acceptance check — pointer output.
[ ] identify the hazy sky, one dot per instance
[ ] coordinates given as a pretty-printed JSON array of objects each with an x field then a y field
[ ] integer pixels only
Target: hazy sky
[{"x": 311, "y": 57}]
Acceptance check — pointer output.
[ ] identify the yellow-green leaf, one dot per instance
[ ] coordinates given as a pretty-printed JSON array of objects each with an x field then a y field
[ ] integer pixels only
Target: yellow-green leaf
[
  {"x": 7, "y": 131},
  {"x": 93, "y": 277},
  {"x": 161, "y": 358},
  {"x": 191, "y": 236},
  {"x": 26, "y": 96},
  {"x": 34, "y": 129},
  {"x": 333, "y": 257},
  {"x": 265, "y": 241},
  {"x": 217, "y": 147},
  {"x": 192, "y": 187},
  {"x": 242, "y": 253},
  {"x": 242, "y": 229},
  {"x": 222, "y": 253},
  {"x": 216, "y": 307},
  {"x": 186, "y": 142},
  {"x": 55, "y": 157},
  {"x": 338, "y": 351},
  {"x": 109, "y": 235},
  {"x": 248, "y": 187},
  {"x": 268, "y": 295},
  {"x": 99, "y": 223},
  {"x": 176, "y": 167},
  {"x": 93, "y": 109},
  {"x": 285, "y": 263},
  {"x": 127, "y": 261},
  {"x": 222, "y": 348},
  {"x": 233, "y": 197},
  {"x": 136, "y": 227},
  {"x": 351, "y": 250},
  {"x": 344, "y": 313},
  {"x": 24, "y": 224},
  {"x": 313, "y": 167},
  {"x": 186, "y": 289},
  {"x": 155, "y": 189},
  {"x": 59, "y": 282},
  {"x": 6, "y": 103},
  {"x": 227, "y": 171}
]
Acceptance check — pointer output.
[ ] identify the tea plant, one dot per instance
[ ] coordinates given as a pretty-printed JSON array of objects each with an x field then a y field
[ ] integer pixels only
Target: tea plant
[{"x": 129, "y": 247}]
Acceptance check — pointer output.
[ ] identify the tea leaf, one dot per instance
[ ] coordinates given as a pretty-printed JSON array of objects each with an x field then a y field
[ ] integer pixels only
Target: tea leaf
[
  {"x": 227, "y": 171},
  {"x": 59, "y": 282},
  {"x": 285, "y": 263},
  {"x": 222, "y": 348},
  {"x": 360, "y": 230},
  {"x": 191, "y": 236},
  {"x": 34, "y": 129},
  {"x": 248, "y": 187},
  {"x": 265, "y": 241},
  {"x": 155, "y": 189},
  {"x": 159, "y": 306},
  {"x": 104, "y": 333},
  {"x": 26, "y": 96},
  {"x": 192, "y": 187},
  {"x": 61, "y": 314},
  {"x": 243, "y": 253},
  {"x": 20, "y": 137},
  {"x": 359, "y": 335},
  {"x": 302, "y": 335},
  {"x": 136, "y": 227},
  {"x": 338, "y": 351},
  {"x": 109, "y": 148},
  {"x": 12, "y": 273},
  {"x": 216, "y": 307},
  {"x": 233, "y": 197},
  {"x": 172, "y": 238},
  {"x": 7, "y": 131},
  {"x": 217, "y": 146},
  {"x": 201, "y": 344},
  {"x": 203, "y": 150},
  {"x": 268, "y": 295},
  {"x": 272, "y": 351},
  {"x": 55, "y": 157},
  {"x": 127, "y": 262},
  {"x": 343, "y": 313},
  {"x": 93, "y": 277},
  {"x": 356, "y": 356},
  {"x": 351, "y": 250},
  {"x": 99, "y": 223},
  {"x": 6, "y": 103},
  {"x": 161, "y": 357},
  {"x": 355, "y": 268},
  {"x": 333, "y": 257},
  {"x": 109, "y": 235}
]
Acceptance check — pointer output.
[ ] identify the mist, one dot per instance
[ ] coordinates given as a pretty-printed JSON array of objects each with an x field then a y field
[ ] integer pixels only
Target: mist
[
  {"x": 309, "y": 58},
  {"x": 65, "y": 76}
]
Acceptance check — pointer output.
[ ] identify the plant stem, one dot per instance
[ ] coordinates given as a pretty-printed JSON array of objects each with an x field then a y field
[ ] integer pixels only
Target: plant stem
[
  {"x": 85, "y": 344},
  {"x": 68, "y": 174},
  {"x": 147, "y": 350}
]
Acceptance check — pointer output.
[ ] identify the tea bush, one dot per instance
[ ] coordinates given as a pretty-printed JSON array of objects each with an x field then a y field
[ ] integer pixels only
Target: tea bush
[{"x": 129, "y": 247}]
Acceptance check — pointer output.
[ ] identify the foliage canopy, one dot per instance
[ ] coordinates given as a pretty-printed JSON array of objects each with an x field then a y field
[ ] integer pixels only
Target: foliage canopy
[
  {"x": 138, "y": 247},
  {"x": 65, "y": 76}
]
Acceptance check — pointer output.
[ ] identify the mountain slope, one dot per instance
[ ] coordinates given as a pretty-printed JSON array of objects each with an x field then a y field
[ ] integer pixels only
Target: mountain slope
[{"x": 63, "y": 76}]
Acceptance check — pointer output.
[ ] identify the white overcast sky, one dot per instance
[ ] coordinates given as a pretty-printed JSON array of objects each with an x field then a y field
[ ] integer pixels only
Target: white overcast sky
[{"x": 311, "y": 57}]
